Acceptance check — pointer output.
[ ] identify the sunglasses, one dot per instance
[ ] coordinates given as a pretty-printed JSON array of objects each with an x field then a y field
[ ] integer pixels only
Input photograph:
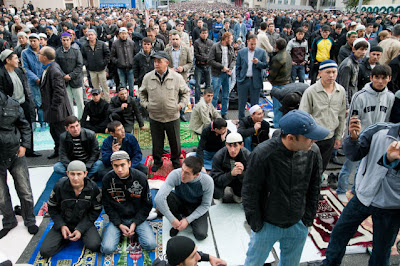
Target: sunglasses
[{"x": 235, "y": 144}]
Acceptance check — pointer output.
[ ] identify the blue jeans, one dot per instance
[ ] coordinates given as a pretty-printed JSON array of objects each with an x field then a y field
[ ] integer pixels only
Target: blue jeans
[
  {"x": 275, "y": 108},
  {"x": 298, "y": 71},
  {"x": 37, "y": 99},
  {"x": 343, "y": 179},
  {"x": 217, "y": 82},
  {"x": 19, "y": 171},
  {"x": 199, "y": 73},
  {"x": 208, "y": 159},
  {"x": 291, "y": 241},
  {"x": 246, "y": 89},
  {"x": 126, "y": 76},
  {"x": 386, "y": 224},
  {"x": 112, "y": 235},
  {"x": 247, "y": 143},
  {"x": 59, "y": 168}
]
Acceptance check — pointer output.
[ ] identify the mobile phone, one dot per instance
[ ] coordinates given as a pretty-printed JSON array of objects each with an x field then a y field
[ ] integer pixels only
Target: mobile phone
[{"x": 115, "y": 141}]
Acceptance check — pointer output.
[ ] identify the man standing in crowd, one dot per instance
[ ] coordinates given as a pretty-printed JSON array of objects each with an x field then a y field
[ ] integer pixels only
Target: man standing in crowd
[
  {"x": 263, "y": 41},
  {"x": 222, "y": 61},
  {"x": 78, "y": 143},
  {"x": 164, "y": 94},
  {"x": 96, "y": 57},
  {"x": 390, "y": 46},
  {"x": 15, "y": 138},
  {"x": 298, "y": 50},
  {"x": 156, "y": 43},
  {"x": 52, "y": 39},
  {"x": 95, "y": 114},
  {"x": 250, "y": 63},
  {"x": 34, "y": 69},
  {"x": 127, "y": 202},
  {"x": 123, "y": 51},
  {"x": 71, "y": 63},
  {"x": 143, "y": 62},
  {"x": 229, "y": 167},
  {"x": 202, "y": 70},
  {"x": 124, "y": 108},
  {"x": 74, "y": 206},
  {"x": 347, "y": 49},
  {"x": 226, "y": 28},
  {"x": 367, "y": 64},
  {"x": 279, "y": 75},
  {"x": 240, "y": 30},
  {"x": 120, "y": 141},
  {"x": 54, "y": 96},
  {"x": 290, "y": 158},
  {"x": 326, "y": 102},
  {"x": 203, "y": 112},
  {"x": 190, "y": 201},
  {"x": 322, "y": 49}
]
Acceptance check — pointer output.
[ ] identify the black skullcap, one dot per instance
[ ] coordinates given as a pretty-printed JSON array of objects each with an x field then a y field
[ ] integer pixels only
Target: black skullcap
[
  {"x": 376, "y": 49},
  {"x": 179, "y": 249}
]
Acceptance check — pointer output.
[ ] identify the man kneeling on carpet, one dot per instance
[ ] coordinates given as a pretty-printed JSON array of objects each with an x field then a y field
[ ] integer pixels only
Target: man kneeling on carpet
[
  {"x": 229, "y": 167},
  {"x": 74, "y": 206},
  {"x": 120, "y": 141},
  {"x": 127, "y": 202},
  {"x": 78, "y": 143},
  {"x": 182, "y": 251},
  {"x": 191, "y": 200}
]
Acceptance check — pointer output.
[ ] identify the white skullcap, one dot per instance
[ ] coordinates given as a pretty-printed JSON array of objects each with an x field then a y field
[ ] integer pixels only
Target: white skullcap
[{"x": 254, "y": 108}]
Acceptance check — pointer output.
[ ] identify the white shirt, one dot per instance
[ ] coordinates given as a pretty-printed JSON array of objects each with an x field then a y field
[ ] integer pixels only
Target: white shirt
[
  {"x": 250, "y": 56},
  {"x": 224, "y": 56}
]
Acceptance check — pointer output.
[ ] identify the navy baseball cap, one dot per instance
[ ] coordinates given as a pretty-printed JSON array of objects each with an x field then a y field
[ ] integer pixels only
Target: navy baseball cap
[{"x": 298, "y": 122}]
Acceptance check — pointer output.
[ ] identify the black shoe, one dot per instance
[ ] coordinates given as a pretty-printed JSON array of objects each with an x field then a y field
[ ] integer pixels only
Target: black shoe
[
  {"x": 155, "y": 168},
  {"x": 4, "y": 231},
  {"x": 18, "y": 210},
  {"x": 340, "y": 153},
  {"x": 320, "y": 197},
  {"x": 33, "y": 154},
  {"x": 176, "y": 166},
  {"x": 53, "y": 155},
  {"x": 335, "y": 160},
  {"x": 33, "y": 229},
  {"x": 183, "y": 118},
  {"x": 173, "y": 232},
  {"x": 224, "y": 117},
  {"x": 332, "y": 180}
]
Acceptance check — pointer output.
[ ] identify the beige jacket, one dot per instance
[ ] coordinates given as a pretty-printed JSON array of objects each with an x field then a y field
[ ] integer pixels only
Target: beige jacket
[
  {"x": 162, "y": 100},
  {"x": 185, "y": 60},
  {"x": 329, "y": 113},
  {"x": 202, "y": 115},
  {"x": 391, "y": 49},
  {"x": 263, "y": 42}
]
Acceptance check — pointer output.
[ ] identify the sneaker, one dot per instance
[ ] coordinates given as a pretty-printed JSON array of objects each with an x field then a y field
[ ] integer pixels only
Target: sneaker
[
  {"x": 335, "y": 160},
  {"x": 343, "y": 198},
  {"x": 155, "y": 168},
  {"x": 152, "y": 215},
  {"x": 225, "y": 117},
  {"x": 332, "y": 180},
  {"x": 173, "y": 232}
]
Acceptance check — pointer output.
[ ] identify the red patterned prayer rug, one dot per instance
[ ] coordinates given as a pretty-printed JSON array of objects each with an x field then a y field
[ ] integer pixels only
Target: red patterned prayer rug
[
  {"x": 328, "y": 213},
  {"x": 166, "y": 168}
]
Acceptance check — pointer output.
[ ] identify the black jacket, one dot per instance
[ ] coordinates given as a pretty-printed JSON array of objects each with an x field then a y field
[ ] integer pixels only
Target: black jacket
[
  {"x": 126, "y": 200},
  {"x": 280, "y": 186},
  {"x": 89, "y": 145},
  {"x": 15, "y": 131},
  {"x": 71, "y": 63},
  {"x": 54, "y": 41},
  {"x": 97, "y": 59},
  {"x": 142, "y": 64},
  {"x": 215, "y": 59},
  {"x": 221, "y": 169},
  {"x": 97, "y": 112},
  {"x": 246, "y": 129},
  {"x": 79, "y": 212},
  {"x": 7, "y": 86},
  {"x": 129, "y": 113},
  {"x": 122, "y": 53},
  {"x": 209, "y": 141},
  {"x": 364, "y": 71},
  {"x": 201, "y": 49}
]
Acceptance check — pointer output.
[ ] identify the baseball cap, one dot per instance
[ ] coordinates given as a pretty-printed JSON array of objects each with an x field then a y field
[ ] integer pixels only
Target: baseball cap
[
  {"x": 76, "y": 165},
  {"x": 161, "y": 55},
  {"x": 121, "y": 88},
  {"x": 119, "y": 155},
  {"x": 234, "y": 137},
  {"x": 95, "y": 91},
  {"x": 123, "y": 29},
  {"x": 298, "y": 122}
]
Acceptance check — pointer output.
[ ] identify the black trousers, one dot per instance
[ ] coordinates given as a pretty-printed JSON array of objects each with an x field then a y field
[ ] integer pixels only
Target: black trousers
[
  {"x": 55, "y": 130},
  {"x": 98, "y": 128},
  {"x": 54, "y": 242},
  {"x": 314, "y": 68},
  {"x": 181, "y": 208},
  {"x": 236, "y": 186},
  {"x": 128, "y": 126},
  {"x": 28, "y": 112},
  {"x": 326, "y": 148},
  {"x": 158, "y": 130}
]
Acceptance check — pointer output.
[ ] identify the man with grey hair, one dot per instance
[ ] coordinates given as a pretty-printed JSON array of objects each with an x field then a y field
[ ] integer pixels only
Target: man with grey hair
[
  {"x": 74, "y": 206},
  {"x": 54, "y": 96},
  {"x": 96, "y": 57},
  {"x": 164, "y": 94}
]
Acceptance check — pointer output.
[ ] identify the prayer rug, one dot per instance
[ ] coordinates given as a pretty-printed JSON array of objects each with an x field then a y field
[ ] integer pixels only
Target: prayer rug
[
  {"x": 264, "y": 103},
  {"x": 43, "y": 140},
  {"x": 166, "y": 168},
  {"x": 131, "y": 253},
  {"x": 74, "y": 253},
  {"x": 328, "y": 213}
]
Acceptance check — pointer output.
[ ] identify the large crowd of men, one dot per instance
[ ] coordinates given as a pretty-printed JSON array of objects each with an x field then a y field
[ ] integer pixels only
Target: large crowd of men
[{"x": 54, "y": 60}]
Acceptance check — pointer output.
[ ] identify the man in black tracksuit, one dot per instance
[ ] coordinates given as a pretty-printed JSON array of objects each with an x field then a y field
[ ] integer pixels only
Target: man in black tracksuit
[
  {"x": 97, "y": 112},
  {"x": 281, "y": 187},
  {"x": 143, "y": 62},
  {"x": 74, "y": 206}
]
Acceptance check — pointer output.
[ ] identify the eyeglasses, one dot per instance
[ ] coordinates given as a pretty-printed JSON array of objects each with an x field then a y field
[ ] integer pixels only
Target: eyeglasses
[{"x": 235, "y": 144}]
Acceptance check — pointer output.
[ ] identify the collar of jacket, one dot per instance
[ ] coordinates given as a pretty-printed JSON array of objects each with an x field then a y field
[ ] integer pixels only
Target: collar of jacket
[
  {"x": 321, "y": 88},
  {"x": 46, "y": 66},
  {"x": 283, "y": 148},
  {"x": 83, "y": 136}
]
